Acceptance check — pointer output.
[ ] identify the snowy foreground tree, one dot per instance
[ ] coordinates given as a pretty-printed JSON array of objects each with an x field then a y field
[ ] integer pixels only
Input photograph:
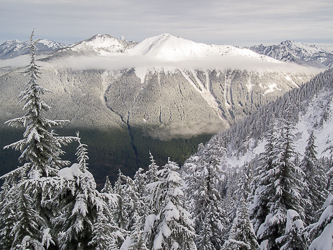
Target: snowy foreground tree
[
  {"x": 46, "y": 206},
  {"x": 279, "y": 187},
  {"x": 35, "y": 181},
  {"x": 171, "y": 227},
  {"x": 202, "y": 180},
  {"x": 242, "y": 235},
  {"x": 314, "y": 192}
]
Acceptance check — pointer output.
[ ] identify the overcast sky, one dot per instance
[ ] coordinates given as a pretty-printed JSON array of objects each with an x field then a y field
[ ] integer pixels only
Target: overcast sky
[{"x": 234, "y": 22}]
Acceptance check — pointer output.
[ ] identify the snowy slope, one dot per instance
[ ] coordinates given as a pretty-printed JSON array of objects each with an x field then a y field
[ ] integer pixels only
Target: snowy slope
[
  {"x": 311, "y": 120},
  {"x": 14, "y": 48},
  {"x": 314, "y": 102},
  {"x": 300, "y": 53}
]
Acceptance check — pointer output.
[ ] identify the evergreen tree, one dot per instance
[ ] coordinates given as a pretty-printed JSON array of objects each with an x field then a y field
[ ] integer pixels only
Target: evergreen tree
[
  {"x": 7, "y": 215},
  {"x": 242, "y": 235},
  {"x": 106, "y": 234},
  {"x": 107, "y": 187},
  {"x": 203, "y": 178},
  {"x": 41, "y": 149},
  {"x": 28, "y": 222},
  {"x": 80, "y": 204},
  {"x": 262, "y": 181},
  {"x": 294, "y": 237},
  {"x": 172, "y": 224},
  {"x": 151, "y": 177},
  {"x": 108, "y": 226},
  {"x": 40, "y": 146},
  {"x": 315, "y": 181},
  {"x": 137, "y": 235},
  {"x": 283, "y": 187}
]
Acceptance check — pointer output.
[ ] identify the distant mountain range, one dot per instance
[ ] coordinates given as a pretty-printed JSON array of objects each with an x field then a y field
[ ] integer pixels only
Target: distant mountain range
[
  {"x": 14, "y": 48},
  {"x": 286, "y": 51},
  {"x": 300, "y": 53}
]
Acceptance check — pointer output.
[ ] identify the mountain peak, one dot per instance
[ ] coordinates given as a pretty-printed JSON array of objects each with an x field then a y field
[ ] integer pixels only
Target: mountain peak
[{"x": 102, "y": 44}]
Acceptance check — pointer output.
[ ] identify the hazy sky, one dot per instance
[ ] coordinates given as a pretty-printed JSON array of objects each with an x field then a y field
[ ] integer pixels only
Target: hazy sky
[{"x": 235, "y": 22}]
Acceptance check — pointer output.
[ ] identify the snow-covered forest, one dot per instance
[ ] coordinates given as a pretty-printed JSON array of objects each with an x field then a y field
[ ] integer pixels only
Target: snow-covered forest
[{"x": 279, "y": 199}]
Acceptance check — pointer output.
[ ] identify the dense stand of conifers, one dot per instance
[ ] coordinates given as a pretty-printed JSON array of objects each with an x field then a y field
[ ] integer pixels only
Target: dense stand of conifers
[{"x": 276, "y": 201}]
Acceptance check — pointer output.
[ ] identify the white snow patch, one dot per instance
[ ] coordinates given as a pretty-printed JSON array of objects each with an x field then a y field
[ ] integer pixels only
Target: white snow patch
[
  {"x": 325, "y": 240},
  {"x": 141, "y": 73},
  {"x": 271, "y": 88},
  {"x": 249, "y": 85}
]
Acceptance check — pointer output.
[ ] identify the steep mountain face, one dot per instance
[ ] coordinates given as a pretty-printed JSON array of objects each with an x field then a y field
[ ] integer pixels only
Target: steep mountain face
[
  {"x": 14, "y": 48},
  {"x": 311, "y": 108},
  {"x": 303, "y": 54},
  {"x": 163, "y": 88},
  {"x": 168, "y": 85}
]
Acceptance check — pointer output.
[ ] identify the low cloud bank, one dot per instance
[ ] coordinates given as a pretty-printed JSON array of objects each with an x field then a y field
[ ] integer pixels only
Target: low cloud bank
[{"x": 120, "y": 62}]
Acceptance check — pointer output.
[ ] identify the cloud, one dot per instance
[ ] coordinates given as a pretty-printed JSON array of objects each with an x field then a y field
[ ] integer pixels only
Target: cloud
[
  {"x": 16, "y": 62},
  {"x": 120, "y": 62}
]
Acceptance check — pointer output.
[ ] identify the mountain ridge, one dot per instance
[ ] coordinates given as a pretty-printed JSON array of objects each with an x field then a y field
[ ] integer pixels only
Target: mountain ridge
[
  {"x": 300, "y": 53},
  {"x": 14, "y": 48}
]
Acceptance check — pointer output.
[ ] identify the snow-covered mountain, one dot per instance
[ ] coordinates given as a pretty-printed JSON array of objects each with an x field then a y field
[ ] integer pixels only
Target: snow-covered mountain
[
  {"x": 100, "y": 45},
  {"x": 170, "y": 48},
  {"x": 171, "y": 85},
  {"x": 296, "y": 52},
  {"x": 161, "y": 88},
  {"x": 14, "y": 48}
]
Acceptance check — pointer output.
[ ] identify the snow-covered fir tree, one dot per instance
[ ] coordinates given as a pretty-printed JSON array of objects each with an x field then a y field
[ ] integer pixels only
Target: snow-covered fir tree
[
  {"x": 40, "y": 146},
  {"x": 105, "y": 234},
  {"x": 136, "y": 240},
  {"x": 129, "y": 202},
  {"x": 315, "y": 180},
  {"x": 171, "y": 225},
  {"x": 107, "y": 186},
  {"x": 202, "y": 179},
  {"x": 7, "y": 213},
  {"x": 294, "y": 237},
  {"x": 242, "y": 235},
  {"x": 41, "y": 150},
  {"x": 262, "y": 183},
  {"x": 283, "y": 188},
  {"x": 80, "y": 206},
  {"x": 29, "y": 224}
]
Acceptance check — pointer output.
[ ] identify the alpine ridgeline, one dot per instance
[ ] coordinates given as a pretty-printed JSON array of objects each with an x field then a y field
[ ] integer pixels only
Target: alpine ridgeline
[
  {"x": 14, "y": 48},
  {"x": 303, "y": 54}
]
